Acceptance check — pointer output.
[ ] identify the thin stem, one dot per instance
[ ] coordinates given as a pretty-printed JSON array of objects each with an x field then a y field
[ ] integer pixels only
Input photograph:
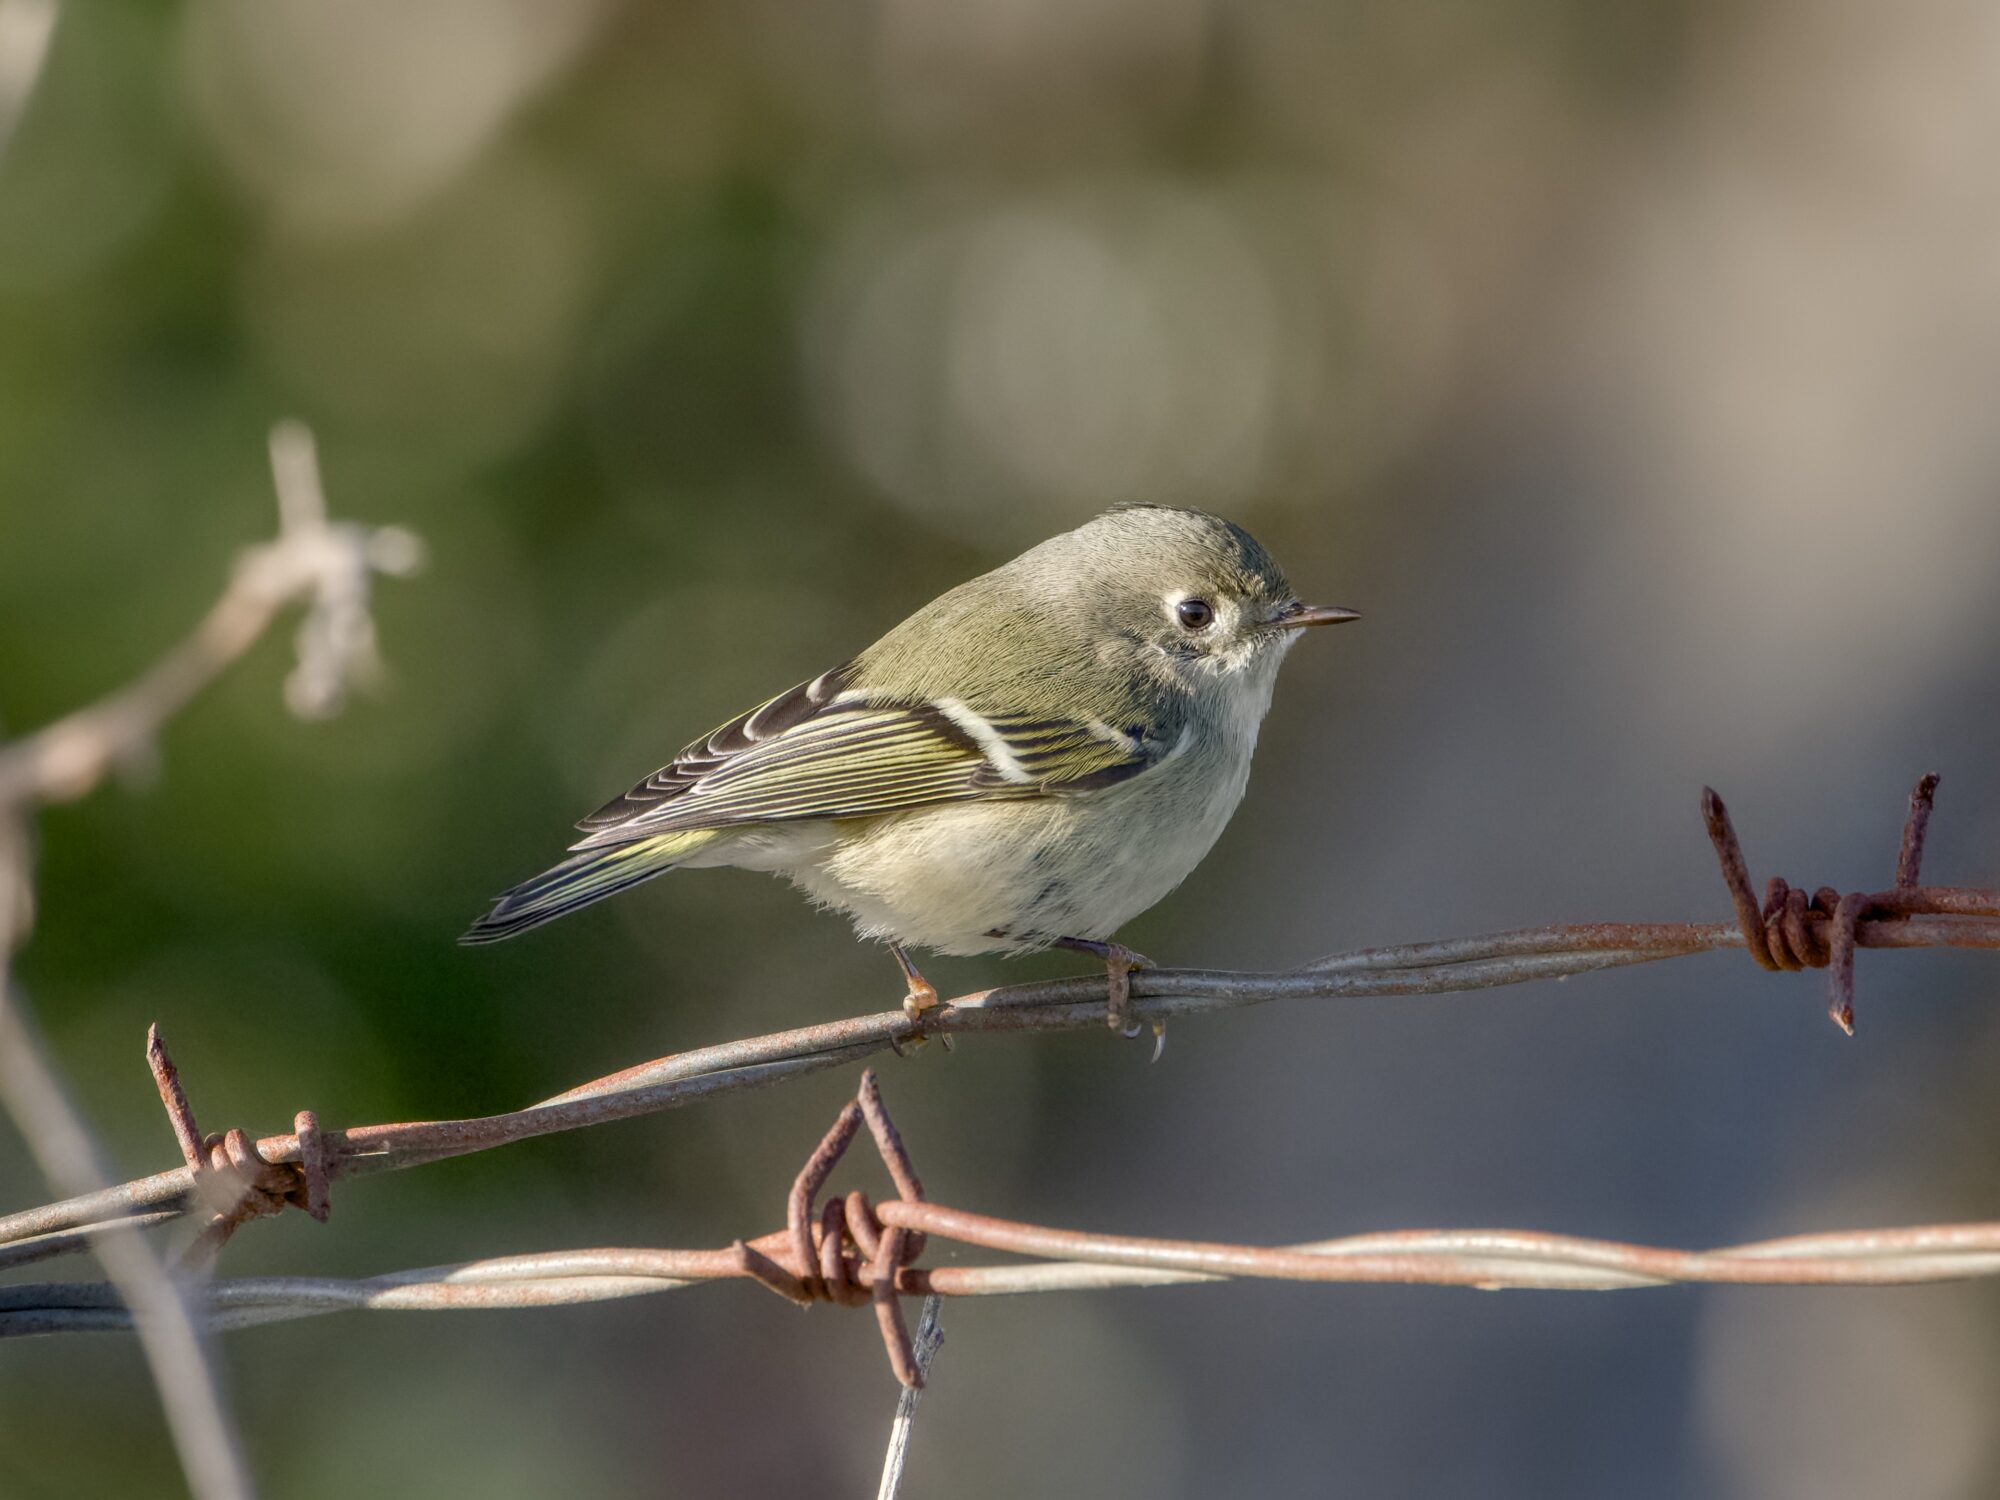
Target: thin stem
[
  {"x": 328, "y": 567},
  {"x": 930, "y": 1334},
  {"x": 62, "y": 1146}
]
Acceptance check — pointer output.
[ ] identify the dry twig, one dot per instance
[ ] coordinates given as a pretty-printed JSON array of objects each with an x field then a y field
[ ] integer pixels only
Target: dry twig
[
  {"x": 327, "y": 566},
  {"x": 930, "y": 1335}
]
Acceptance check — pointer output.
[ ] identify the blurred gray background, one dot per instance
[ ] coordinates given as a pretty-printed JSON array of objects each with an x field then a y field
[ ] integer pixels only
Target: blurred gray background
[{"x": 1632, "y": 367}]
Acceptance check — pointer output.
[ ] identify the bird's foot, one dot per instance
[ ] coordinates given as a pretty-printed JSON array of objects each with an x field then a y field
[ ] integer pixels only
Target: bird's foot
[
  {"x": 921, "y": 998},
  {"x": 1119, "y": 962}
]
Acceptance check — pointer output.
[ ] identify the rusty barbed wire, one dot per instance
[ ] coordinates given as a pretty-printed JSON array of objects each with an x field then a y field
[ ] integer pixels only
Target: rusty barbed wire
[
  {"x": 854, "y": 1253},
  {"x": 229, "y": 1175},
  {"x": 1791, "y": 932},
  {"x": 1907, "y": 916}
]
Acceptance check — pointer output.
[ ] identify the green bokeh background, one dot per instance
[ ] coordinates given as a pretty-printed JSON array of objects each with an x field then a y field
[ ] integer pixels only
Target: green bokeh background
[{"x": 1631, "y": 368}]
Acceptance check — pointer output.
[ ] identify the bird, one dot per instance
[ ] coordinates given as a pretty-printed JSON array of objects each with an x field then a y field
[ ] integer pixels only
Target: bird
[{"x": 1029, "y": 761}]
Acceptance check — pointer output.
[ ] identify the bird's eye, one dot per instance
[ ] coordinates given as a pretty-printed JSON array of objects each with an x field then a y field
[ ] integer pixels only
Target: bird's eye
[{"x": 1194, "y": 614}]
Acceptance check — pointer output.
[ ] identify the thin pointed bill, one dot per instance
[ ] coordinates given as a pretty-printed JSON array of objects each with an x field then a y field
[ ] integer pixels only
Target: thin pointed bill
[{"x": 1304, "y": 616}]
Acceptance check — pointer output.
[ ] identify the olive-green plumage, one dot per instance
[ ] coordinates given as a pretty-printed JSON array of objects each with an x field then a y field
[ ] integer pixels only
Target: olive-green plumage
[{"x": 1039, "y": 754}]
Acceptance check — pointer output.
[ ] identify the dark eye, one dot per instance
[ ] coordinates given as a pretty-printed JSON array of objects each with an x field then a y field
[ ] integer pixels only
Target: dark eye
[{"x": 1194, "y": 614}]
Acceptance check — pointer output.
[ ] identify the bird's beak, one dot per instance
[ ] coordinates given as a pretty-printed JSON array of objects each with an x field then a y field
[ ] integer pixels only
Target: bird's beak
[{"x": 1303, "y": 616}]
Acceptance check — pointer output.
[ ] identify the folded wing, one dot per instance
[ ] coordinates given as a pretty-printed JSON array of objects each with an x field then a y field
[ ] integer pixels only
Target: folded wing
[{"x": 826, "y": 751}]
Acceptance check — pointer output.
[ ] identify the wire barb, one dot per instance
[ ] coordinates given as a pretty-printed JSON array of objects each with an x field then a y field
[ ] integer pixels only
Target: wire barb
[
  {"x": 805, "y": 1188},
  {"x": 850, "y": 1237},
  {"x": 1907, "y": 916},
  {"x": 1060, "y": 1259},
  {"x": 1910, "y": 857},
  {"x": 1790, "y": 930},
  {"x": 230, "y": 1173}
]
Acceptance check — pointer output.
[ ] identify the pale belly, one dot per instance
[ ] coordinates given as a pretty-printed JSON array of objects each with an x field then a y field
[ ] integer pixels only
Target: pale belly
[{"x": 950, "y": 878}]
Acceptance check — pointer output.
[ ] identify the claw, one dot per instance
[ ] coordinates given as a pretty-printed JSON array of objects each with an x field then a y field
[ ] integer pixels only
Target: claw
[{"x": 1119, "y": 962}]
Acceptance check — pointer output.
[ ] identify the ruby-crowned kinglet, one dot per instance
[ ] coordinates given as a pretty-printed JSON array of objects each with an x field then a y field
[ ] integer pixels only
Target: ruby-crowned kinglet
[{"x": 1030, "y": 760}]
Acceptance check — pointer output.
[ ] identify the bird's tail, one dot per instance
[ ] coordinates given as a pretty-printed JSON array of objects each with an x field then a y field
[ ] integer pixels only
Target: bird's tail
[{"x": 590, "y": 876}]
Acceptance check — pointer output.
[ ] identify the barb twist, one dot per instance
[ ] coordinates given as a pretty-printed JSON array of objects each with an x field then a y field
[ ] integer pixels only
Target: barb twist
[
  {"x": 846, "y": 1255},
  {"x": 230, "y": 1174},
  {"x": 1789, "y": 930}
]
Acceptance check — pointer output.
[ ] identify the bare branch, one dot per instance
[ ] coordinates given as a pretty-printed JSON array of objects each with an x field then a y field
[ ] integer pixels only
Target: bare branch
[
  {"x": 327, "y": 567},
  {"x": 62, "y": 1146}
]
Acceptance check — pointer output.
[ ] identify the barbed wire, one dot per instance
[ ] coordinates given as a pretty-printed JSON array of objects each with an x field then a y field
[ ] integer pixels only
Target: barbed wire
[
  {"x": 857, "y": 1253},
  {"x": 238, "y": 1179},
  {"x": 853, "y": 1253}
]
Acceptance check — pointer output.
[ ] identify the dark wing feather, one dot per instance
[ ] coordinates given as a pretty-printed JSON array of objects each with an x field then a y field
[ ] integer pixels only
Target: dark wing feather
[
  {"x": 770, "y": 718},
  {"x": 810, "y": 754}
]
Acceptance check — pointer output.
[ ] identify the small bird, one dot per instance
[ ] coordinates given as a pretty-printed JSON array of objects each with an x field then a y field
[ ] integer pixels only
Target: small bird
[{"x": 1029, "y": 761}]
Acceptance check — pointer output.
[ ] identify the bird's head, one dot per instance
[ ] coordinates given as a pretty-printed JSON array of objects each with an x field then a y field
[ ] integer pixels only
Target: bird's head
[{"x": 1195, "y": 597}]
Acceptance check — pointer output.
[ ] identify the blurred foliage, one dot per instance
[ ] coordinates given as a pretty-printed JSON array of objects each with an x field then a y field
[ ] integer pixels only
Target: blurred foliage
[{"x": 701, "y": 342}]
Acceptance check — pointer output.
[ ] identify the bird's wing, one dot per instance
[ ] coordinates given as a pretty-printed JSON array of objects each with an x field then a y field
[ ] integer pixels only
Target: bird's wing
[{"x": 823, "y": 750}]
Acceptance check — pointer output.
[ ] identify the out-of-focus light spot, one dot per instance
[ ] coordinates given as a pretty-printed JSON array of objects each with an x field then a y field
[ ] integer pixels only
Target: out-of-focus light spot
[
  {"x": 1017, "y": 73},
  {"x": 1057, "y": 361},
  {"x": 347, "y": 116},
  {"x": 1791, "y": 354},
  {"x": 92, "y": 166},
  {"x": 1005, "y": 367},
  {"x": 454, "y": 328}
]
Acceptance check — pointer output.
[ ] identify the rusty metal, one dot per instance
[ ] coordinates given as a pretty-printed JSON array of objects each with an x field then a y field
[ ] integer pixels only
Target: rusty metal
[
  {"x": 836, "y": 1267},
  {"x": 812, "y": 1177},
  {"x": 862, "y": 1224},
  {"x": 229, "y": 1172},
  {"x": 1907, "y": 916},
  {"x": 850, "y": 1235},
  {"x": 1910, "y": 856},
  {"x": 754, "y": 1262},
  {"x": 180, "y": 1113},
  {"x": 1788, "y": 930},
  {"x": 889, "y": 1144},
  {"x": 889, "y": 1309},
  {"x": 863, "y": 1252},
  {"x": 315, "y": 1167},
  {"x": 862, "y": 1256}
]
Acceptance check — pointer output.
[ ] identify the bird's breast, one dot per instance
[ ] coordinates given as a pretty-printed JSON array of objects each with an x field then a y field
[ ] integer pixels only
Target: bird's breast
[{"x": 950, "y": 878}]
